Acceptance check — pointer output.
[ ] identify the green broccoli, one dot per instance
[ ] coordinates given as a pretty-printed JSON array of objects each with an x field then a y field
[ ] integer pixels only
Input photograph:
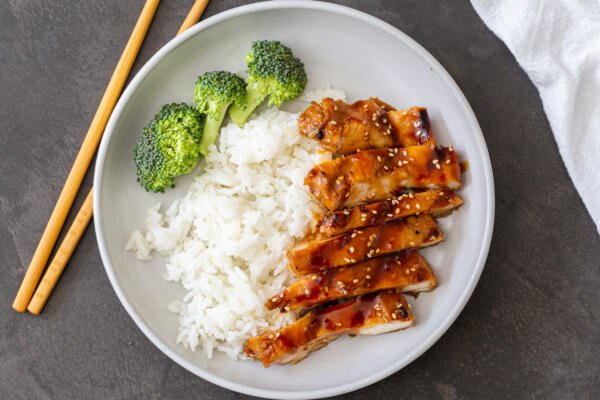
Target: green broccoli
[
  {"x": 215, "y": 91},
  {"x": 169, "y": 146},
  {"x": 273, "y": 72}
]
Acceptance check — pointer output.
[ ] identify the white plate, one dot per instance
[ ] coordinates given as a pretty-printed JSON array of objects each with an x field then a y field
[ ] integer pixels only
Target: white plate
[{"x": 361, "y": 55}]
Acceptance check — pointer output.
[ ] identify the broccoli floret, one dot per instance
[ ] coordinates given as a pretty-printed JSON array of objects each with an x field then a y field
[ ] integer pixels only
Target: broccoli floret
[
  {"x": 169, "y": 146},
  {"x": 215, "y": 91},
  {"x": 273, "y": 72}
]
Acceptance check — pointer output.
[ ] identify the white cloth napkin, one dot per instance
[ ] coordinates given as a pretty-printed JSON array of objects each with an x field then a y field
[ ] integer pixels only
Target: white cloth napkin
[{"x": 557, "y": 42}]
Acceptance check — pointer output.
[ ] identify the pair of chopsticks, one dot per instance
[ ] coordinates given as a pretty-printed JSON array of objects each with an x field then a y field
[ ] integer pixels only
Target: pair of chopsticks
[{"x": 26, "y": 299}]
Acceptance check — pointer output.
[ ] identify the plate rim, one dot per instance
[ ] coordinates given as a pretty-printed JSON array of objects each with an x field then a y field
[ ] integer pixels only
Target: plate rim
[{"x": 479, "y": 139}]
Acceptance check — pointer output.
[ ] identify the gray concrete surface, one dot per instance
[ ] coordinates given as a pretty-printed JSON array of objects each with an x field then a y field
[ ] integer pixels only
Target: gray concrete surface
[{"x": 530, "y": 331}]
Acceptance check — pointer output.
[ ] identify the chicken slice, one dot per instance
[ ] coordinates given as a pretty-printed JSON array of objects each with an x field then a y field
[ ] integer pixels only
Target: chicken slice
[
  {"x": 351, "y": 247},
  {"x": 344, "y": 128},
  {"x": 412, "y": 126},
  {"x": 369, "y": 314},
  {"x": 436, "y": 202},
  {"x": 374, "y": 175},
  {"x": 407, "y": 271}
]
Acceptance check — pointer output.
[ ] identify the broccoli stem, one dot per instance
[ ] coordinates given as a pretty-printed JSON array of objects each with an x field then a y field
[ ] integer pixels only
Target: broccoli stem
[
  {"x": 240, "y": 115},
  {"x": 211, "y": 129}
]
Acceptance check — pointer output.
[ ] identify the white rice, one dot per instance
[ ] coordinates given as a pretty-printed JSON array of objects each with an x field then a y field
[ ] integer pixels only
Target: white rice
[{"x": 225, "y": 241}]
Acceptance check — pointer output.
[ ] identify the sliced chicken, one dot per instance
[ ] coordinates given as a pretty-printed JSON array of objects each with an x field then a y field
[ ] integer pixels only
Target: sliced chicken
[
  {"x": 344, "y": 128},
  {"x": 412, "y": 126},
  {"x": 356, "y": 246},
  {"x": 374, "y": 175},
  {"x": 369, "y": 314},
  {"x": 407, "y": 271},
  {"x": 436, "y": 202}
]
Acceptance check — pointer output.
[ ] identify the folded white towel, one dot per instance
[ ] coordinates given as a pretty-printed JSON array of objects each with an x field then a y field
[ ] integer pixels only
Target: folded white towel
[{"x": 557, "y": 42}]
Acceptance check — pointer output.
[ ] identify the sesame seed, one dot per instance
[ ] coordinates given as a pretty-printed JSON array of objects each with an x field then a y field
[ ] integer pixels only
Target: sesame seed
[
  {"x": 332, "y": 123},
  {"x": 338, "y": 324},
  {"x": 368, "y": 276},
  {"x": 451, "y": 148},
  {"x": 354, "y": 280},
  {"x": 440, "y": 193},
  {"x": 385, "y": 120},
  {"x": 413, "y": 269},
  {"x": 277, "y": 334},
  {"x": 346, "y": 212},
  {"x": 385, "y": 168},
  {"x": 271, "y": 336},
  {"x": 379, "y": 158},
  {"x": 438, "y": 166},
  {"x": 400, "y": 163},
  {"x": 404, "y": 162},
  {"x": 410, "y": 195},
  {"x": 407, "y": 206},
  {"x": 274, "y": 299},
  {"x": 397, "y": 211},
  {"x": 404, "y": 153},
  {"x": 393, "y": 315},
  {"x": 351, "y": 249},
  {"x": 435, "y": 161},
  {"x": 377, "y": 124},
  {"x": 411, "y": 244},
  {"x": 389, "y": 215},
  {"x": 374, "y": 212},
  {"x": 353, "y": 235},
  {"x": 418, "y": 206},
  {"x": 407, "y": 271}
]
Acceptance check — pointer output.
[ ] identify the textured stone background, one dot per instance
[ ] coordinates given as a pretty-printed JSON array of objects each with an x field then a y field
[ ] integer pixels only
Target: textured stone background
[{"x": 531, "y": 329}]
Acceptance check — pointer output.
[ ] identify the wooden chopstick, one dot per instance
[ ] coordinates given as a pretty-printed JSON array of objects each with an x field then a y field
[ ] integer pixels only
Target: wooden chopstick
[
  {"x": 62, "y": 256},
  {"x": 84, "y": 157},
  {"x": 193, "y": 16},
  {"x": 77, "y": 228}
]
